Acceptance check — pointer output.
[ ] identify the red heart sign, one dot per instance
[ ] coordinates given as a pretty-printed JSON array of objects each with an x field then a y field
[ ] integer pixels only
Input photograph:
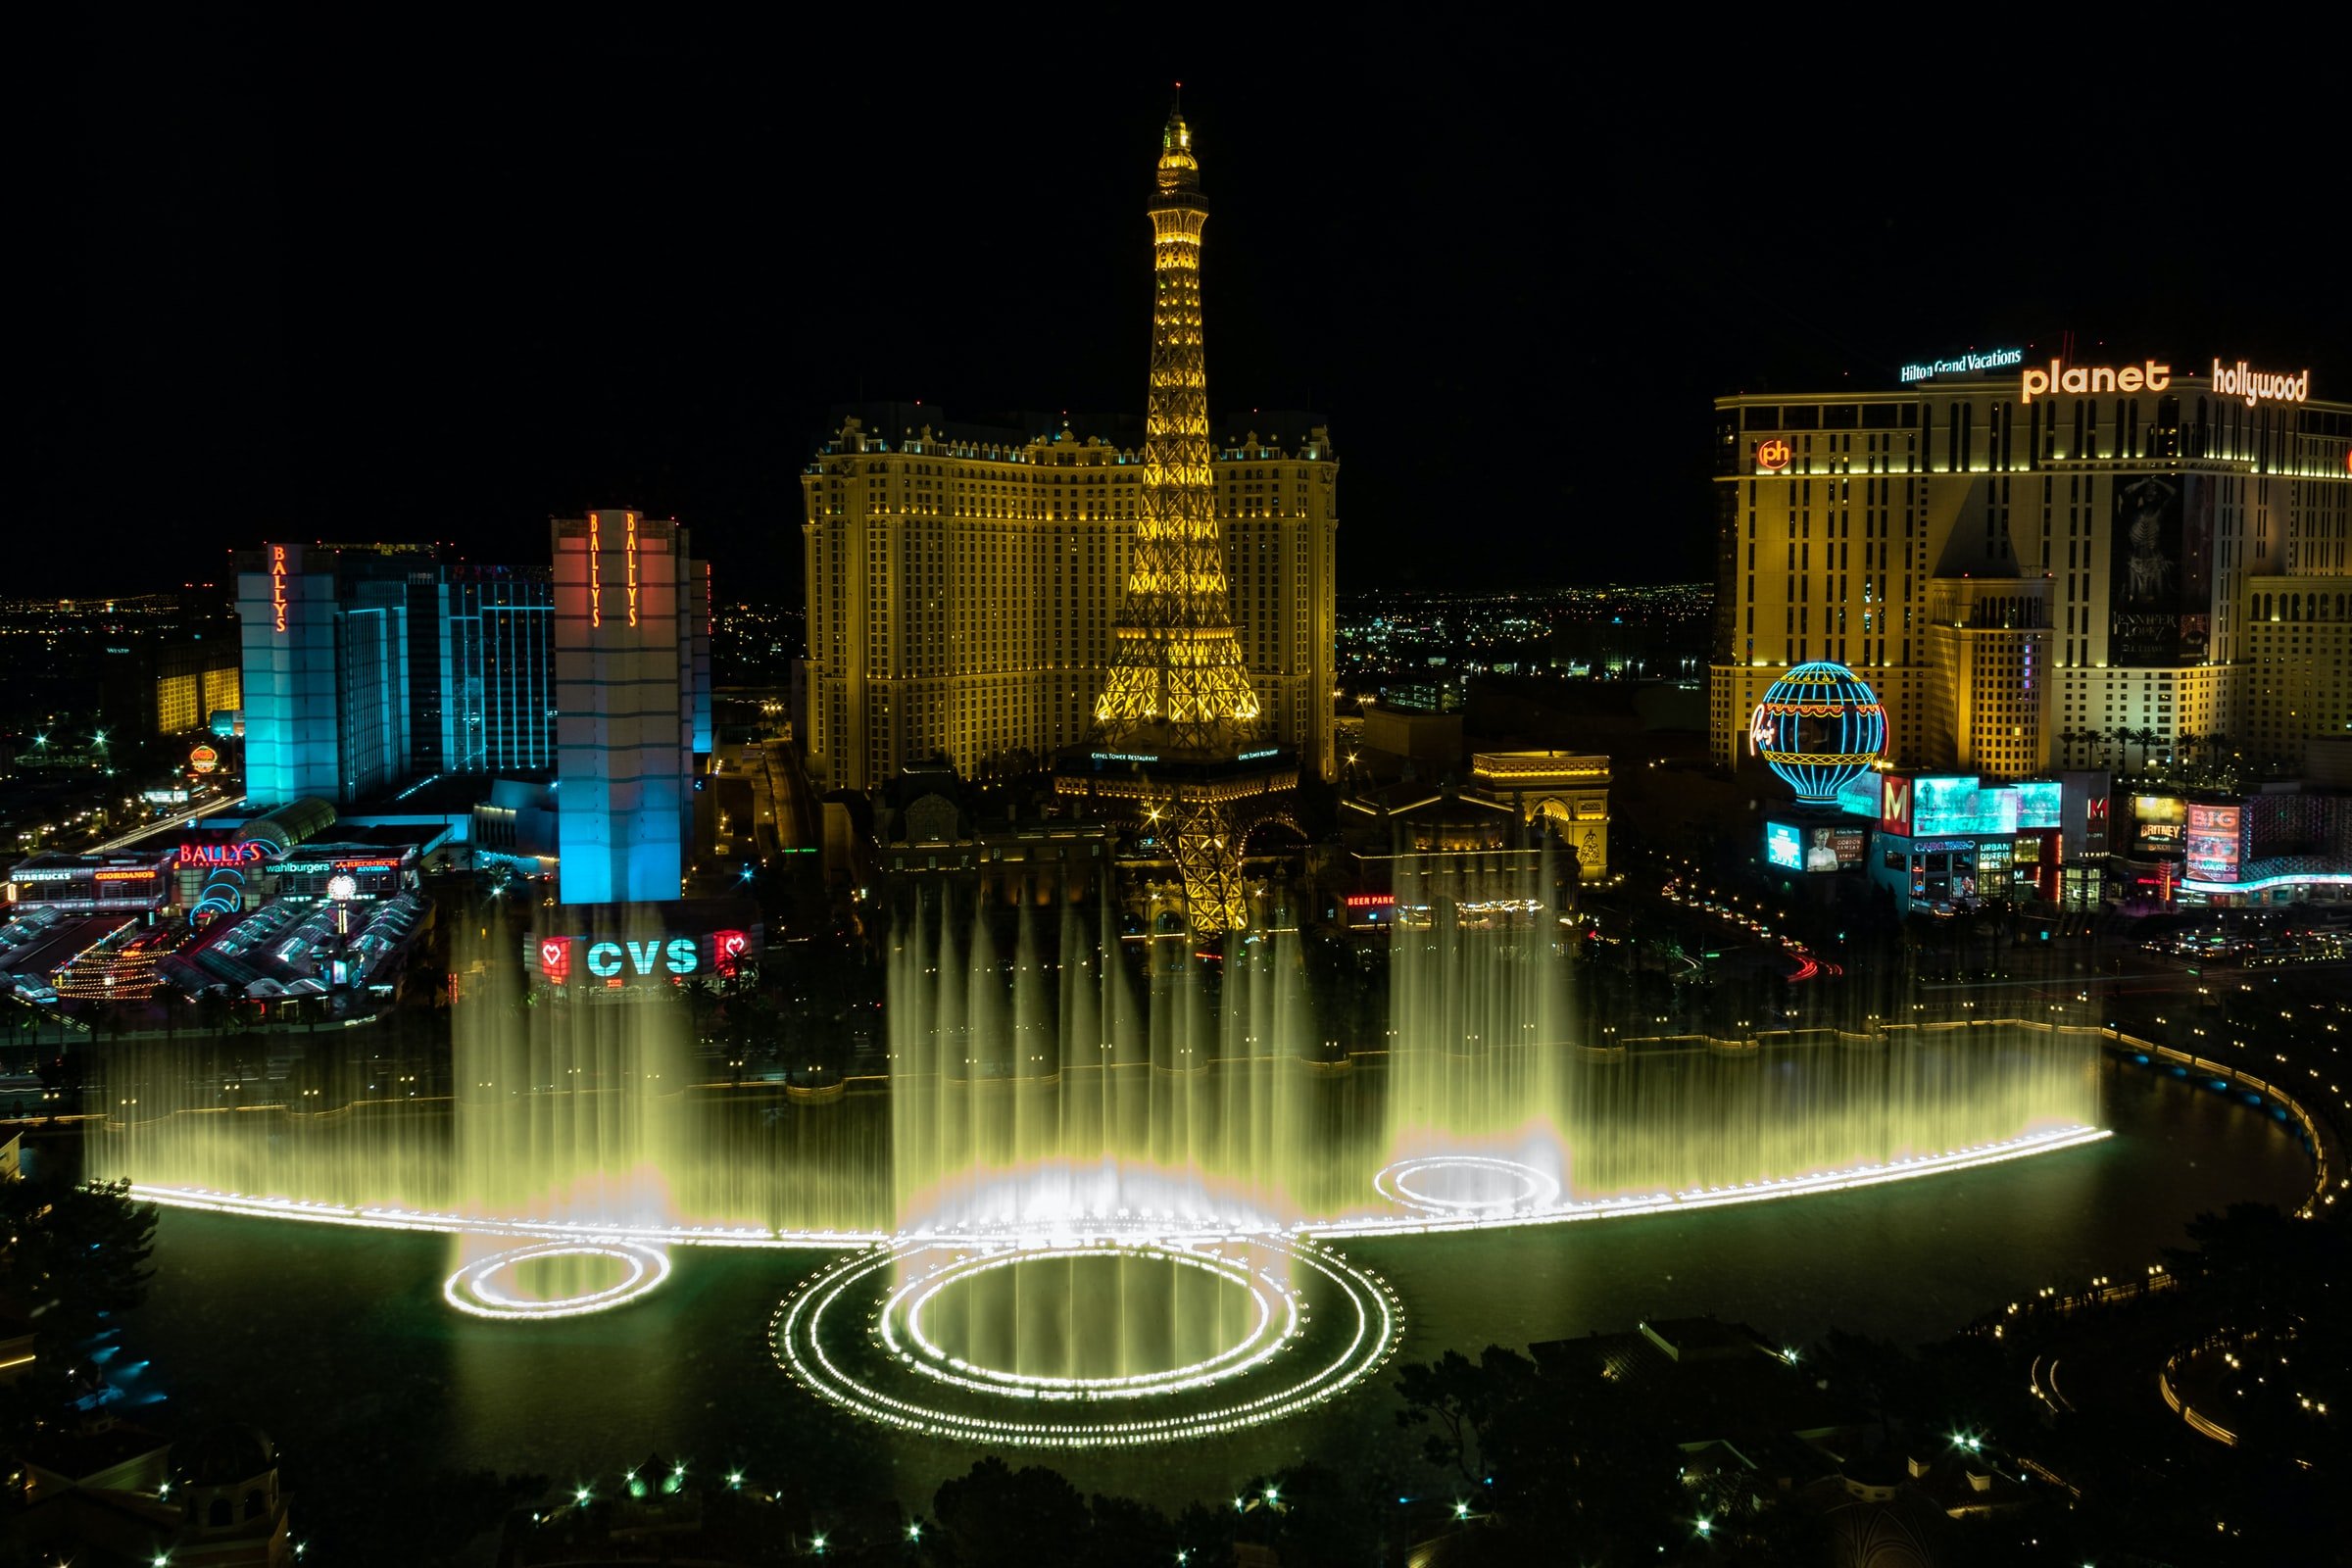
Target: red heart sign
[{"x": 554, "y": 959}]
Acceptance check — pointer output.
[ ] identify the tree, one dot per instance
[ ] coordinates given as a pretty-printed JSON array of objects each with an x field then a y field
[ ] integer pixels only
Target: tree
[
  {"x": 993, "y": 1516},
  {"x": 70, "y": 1257},
  {"x": 1458, "y": 1398},
  {"x": 423, "y": 983},
  {"x": 2125, "y": 738},
  {"x": 1559, "y": 1461},
  {"x": 173, "y": 1003}
]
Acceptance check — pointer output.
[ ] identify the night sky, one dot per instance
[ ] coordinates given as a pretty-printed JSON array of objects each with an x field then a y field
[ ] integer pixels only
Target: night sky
[{"x": 444, "y": 282}]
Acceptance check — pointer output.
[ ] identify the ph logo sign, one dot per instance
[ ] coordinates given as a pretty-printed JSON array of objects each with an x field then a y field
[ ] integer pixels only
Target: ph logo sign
[{"x": 1773, "y": 455}]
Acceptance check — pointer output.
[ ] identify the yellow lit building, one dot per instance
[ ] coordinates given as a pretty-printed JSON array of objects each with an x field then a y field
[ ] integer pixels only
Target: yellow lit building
[
  {"x": 963, "y": 581},
  {"x": 1569, "y": 788},
  {"x": 187, "y": 699},
  {"x": 2299, "y": 643},
  {"x": 2021, "y": 558}
]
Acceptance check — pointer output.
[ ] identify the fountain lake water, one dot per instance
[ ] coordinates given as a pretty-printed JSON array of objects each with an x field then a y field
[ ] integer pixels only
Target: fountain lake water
[{"x": 1103, "y": 1173}]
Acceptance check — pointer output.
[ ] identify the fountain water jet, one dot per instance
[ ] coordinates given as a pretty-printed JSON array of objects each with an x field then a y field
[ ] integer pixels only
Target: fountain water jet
[{"x": 1478, "y": 1035}]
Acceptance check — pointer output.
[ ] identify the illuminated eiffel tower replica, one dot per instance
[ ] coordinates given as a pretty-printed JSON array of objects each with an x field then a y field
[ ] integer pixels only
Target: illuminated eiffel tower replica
[{"x": 1178, "y": 719}]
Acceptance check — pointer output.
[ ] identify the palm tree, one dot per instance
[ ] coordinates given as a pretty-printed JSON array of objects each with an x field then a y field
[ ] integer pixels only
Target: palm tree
[
  {"x": 2187, "y": 743},
  {"x": 167, "y": 996},
  {"x": 2148, "y": 740},
  {"x": 2123, "y": 736}
]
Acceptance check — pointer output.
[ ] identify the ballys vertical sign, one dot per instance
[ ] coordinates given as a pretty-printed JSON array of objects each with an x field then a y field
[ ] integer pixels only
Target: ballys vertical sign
[{"x": 277, "y": 584}]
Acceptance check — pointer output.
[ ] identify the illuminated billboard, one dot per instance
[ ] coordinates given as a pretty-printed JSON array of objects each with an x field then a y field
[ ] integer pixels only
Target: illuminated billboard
[
  {"x": 1814, "y": 846},
  {"x": 1860, "y": 795},
  {"x": 2039, "y": 802},
  {"x": 1941, "y": 805},
  {"x": 1833, "y": 848},
  {"x": 2162, "y": 566},
  {"x": 2212, "y": 842},
  {"x": 2160, "y": 817}
]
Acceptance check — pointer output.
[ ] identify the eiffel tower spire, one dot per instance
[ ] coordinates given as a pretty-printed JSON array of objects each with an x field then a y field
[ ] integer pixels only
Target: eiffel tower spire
[{"x": 1177, "y": 683}]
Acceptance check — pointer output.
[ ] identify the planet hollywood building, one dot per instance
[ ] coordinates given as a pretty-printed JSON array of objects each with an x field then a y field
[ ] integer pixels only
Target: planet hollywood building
[{"x": 2019, "y": 554}]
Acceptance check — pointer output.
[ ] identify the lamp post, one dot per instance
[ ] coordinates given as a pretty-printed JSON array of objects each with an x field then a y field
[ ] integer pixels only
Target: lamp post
[{"x": 341, "y": 889}]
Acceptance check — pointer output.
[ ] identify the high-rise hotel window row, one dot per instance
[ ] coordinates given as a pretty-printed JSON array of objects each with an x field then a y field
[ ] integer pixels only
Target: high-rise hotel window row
[
  {"x": 2014, "y": 568},
  {"x": 962, "y": 587}
]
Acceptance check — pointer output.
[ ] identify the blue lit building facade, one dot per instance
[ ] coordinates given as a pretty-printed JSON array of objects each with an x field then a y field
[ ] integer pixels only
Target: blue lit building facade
[
  {"x": 630, "y": 696},
  {"x": 326, "y": 678},
  {"x": 486, "y": 673},
  {"x": 374, "y": 664}
]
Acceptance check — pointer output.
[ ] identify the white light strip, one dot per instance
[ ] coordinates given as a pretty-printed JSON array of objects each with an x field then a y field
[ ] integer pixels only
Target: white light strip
[
  {"x": 1167, "y": 1230},
  {"x": 1859, "y": 1176},
  {"x": 447, "y": 1224}
]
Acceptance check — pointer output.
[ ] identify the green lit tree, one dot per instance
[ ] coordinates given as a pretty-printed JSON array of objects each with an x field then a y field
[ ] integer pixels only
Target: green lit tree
[{"x": 72, "y": 1257}]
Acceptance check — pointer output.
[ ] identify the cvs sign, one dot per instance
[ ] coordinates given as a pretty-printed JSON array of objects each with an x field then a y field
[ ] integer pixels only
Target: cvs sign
[{"x": 677, "y": 955}]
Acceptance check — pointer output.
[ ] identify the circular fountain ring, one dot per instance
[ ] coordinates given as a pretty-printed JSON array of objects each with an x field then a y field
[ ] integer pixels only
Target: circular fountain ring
[
  {"x": 1280, "y": 1311},
  {"x": 815, "y": 1335},
  {"x": 1536, "y": 1191},
  {"x": 475, "y": 1288}
]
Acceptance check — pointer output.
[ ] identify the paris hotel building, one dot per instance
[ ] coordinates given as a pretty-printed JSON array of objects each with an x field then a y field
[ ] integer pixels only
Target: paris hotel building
[
  {"x": 2021, "y": 560},
  {"x": 962, "y": 583}
]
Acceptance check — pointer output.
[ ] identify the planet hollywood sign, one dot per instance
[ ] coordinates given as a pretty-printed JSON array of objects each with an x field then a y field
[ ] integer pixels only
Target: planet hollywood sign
[
  {"x": 616, "y": 961},
  {"x": 2236, "y": 381}
]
